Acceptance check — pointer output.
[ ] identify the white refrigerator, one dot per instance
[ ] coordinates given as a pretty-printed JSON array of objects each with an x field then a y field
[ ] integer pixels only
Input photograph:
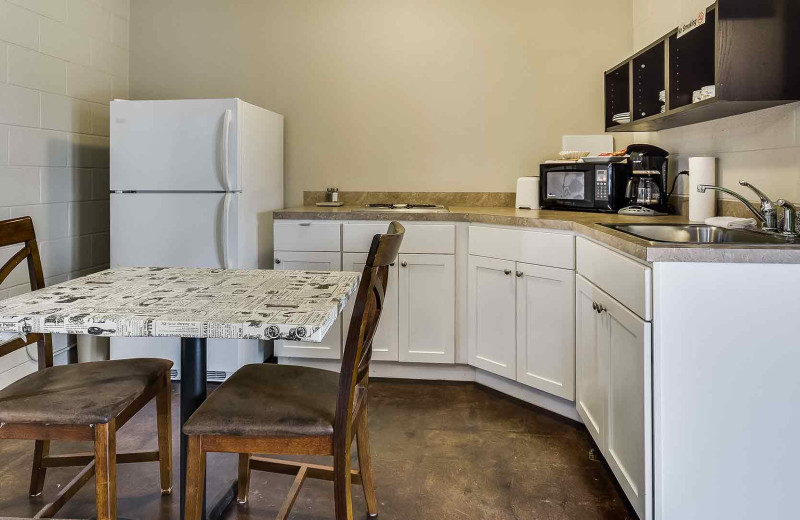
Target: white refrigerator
[{"x": 194, "y": 184}]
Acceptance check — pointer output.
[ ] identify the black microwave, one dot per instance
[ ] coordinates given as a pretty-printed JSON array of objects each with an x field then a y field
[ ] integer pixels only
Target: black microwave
[{"x": 583, "y": 186}]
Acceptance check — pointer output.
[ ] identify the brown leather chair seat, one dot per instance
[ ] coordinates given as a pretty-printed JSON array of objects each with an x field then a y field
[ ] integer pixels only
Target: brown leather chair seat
[
  {"x": 269, "y": 401},
  {"x": 82, "y": 394}
]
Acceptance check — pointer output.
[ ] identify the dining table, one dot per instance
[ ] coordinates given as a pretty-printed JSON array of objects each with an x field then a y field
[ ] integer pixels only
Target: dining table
[{"x": 193, "y": 304}]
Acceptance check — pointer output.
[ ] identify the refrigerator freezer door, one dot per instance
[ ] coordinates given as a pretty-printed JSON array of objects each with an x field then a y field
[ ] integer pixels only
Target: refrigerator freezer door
[
  {"x": 174, "y": 229},
  {"x": 176, "y": 145}
]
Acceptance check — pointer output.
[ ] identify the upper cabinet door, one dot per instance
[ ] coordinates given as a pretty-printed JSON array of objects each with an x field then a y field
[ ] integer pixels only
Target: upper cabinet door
[
  {"x": 387, "y": 337},
  {"x": 629, "y": 431},
  {"x": 427, "y": 308},
  {"x": 179, "y": 145},
  {"x": 331, "y": 346},
  {"x": 492, "y": 315},
  {"x": 591, "y": 348},
  {"x": 546, "y": 329}
]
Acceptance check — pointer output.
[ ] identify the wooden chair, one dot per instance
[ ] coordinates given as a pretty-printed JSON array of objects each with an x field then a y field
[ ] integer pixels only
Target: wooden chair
[
  {"x": 82, "y": 402},
  {"x": 290, "y": 410}
]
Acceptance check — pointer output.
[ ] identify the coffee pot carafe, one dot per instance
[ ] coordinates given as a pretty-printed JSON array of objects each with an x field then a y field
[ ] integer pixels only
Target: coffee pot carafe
[{"x": 645, "y": 192}]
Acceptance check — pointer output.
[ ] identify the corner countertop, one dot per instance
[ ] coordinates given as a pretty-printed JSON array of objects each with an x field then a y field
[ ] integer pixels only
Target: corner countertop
[{"x": 582, "y": 223}]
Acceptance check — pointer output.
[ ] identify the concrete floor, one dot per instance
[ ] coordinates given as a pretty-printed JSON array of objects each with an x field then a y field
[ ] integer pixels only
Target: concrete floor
[{"x": 441, "y": 451}]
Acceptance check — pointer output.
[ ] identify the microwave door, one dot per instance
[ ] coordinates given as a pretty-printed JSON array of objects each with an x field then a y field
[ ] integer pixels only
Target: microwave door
[{"x": 570, "y": 188}]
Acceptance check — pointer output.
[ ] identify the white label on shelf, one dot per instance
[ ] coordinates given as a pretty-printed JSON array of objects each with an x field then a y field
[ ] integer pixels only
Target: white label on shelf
[{"x": 693, "y": 24}]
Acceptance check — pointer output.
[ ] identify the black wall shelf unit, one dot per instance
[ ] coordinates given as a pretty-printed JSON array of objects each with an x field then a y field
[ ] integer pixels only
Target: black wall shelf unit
[{"x": 749, "y": 50}]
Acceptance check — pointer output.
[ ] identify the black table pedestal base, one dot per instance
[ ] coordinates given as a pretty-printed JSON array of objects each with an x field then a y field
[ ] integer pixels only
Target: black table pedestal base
[{"x": 194, "y": 371}]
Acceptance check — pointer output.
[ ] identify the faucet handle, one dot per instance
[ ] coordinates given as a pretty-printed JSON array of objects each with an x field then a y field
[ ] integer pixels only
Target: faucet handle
[
  {"x": 767, "y": 207},
  {"x": 789, "y": 218},
  {"x": 766, "y": 203}
]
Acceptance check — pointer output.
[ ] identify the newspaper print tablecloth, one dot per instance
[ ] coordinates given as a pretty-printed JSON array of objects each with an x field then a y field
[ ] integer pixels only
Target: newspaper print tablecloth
[{"x": 186, "y": 302}]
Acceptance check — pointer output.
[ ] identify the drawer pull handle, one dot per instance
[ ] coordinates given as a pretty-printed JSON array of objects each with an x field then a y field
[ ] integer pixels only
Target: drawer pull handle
[
  {"x": 507, "y": 271},
  {"x": 404, "y": 263},
  {"x": 305, "y": 224}
]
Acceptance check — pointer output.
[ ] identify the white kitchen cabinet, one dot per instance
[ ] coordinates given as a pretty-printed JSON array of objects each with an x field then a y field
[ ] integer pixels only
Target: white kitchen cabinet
[
  {"x": 614, "y": 371},
  {"x": 521, "y": 323},
  {"x": 331, "y": 346},
  {"x": 427, "y": 308},
  {"x": 492, "y": 315},
  {"x": 385, "y": 346},
  {"x": 545, "y": 329},
  {"x": 629, "y": 417},
  {"x": 591, "y": 350}
]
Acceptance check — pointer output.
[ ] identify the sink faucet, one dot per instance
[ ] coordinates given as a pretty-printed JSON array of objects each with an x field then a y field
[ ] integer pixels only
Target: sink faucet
[{"x": 767, "y": 215}]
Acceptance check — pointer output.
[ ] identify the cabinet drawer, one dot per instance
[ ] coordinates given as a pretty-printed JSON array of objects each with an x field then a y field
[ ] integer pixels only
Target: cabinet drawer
[
  {"x": 531, "y": 247},
  {"x": 294, "y": 235},
  {"x": 432, "y": 239},
  {"x": 629, "y": 282}
]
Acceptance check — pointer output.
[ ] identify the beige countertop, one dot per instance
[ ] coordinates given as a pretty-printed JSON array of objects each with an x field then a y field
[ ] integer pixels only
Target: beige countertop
[{"x": 582, "y": 223}]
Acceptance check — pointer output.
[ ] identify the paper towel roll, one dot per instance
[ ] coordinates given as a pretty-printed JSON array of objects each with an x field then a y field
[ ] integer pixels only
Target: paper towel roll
[{"x": 702, "y": 170}]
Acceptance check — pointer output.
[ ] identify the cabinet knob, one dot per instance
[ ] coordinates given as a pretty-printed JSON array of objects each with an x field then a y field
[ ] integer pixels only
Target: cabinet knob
[
  {"x": 392, "y": 264},
  {"x": 594, "y": 305},
  {"x": 600, "y": 309},
  {"x": 277, "y": 260},
  {"x": 404, "y": 263},
  {"x": 507, "y": 271},
  {"x": 520, "y": 274}
]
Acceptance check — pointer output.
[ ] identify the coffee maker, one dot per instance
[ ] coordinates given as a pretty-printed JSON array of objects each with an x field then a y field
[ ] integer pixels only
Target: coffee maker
[{"x": 646, "y": 190}]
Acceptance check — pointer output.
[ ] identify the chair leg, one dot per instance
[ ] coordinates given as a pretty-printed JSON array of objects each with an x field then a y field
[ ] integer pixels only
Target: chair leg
[
  {"x": 105, "y": 456},
  {"x": 244, "y": 477},
  {"x": 195, "y": 479},
  {"x": 164, "y": 412},
  {"x": 40, "y": 450},
  {"x": 342, "y": 494},
  {"x": 365, "y": 465}
]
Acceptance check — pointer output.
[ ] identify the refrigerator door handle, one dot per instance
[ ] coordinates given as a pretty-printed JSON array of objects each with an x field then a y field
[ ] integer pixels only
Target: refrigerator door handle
[
  {"x": 225, "y": 148},
  {"x": 226, "y": 221}
]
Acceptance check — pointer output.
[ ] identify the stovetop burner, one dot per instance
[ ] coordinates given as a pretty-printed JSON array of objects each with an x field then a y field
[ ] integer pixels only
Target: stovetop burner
[{"x": 386, "y": 206}]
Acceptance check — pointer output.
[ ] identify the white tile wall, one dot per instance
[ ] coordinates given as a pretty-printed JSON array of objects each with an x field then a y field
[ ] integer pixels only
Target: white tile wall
[
  {"x": 762, "y": 147},
  {"x": 19, "y": 25},
  {"x": 55, "y": 9},
  {"x": 62, "y": 41},
  {"x": 32, "y": 69},
  {"x": 19, "y": 105},
  {"x": 61, "y": 61}
]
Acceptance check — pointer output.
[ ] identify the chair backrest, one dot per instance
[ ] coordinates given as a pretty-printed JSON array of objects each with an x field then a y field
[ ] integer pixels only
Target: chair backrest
[
  {"x": 353, "y": 378},
  {"x": 19, "y": 231}
]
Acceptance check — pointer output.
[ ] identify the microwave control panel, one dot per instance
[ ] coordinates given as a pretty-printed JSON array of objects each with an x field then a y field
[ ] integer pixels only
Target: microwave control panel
[{"x": 601, "y": 183}]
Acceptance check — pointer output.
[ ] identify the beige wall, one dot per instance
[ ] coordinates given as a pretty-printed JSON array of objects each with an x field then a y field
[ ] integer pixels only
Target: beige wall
[
  {"x": 413, "y": 95},
  {"x": 761, "y": 147}
]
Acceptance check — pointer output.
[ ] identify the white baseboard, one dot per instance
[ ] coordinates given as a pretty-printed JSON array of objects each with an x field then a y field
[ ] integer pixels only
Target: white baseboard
[
  {"x": 434, "y": 372},
  {"x": 529, "y": 395}
]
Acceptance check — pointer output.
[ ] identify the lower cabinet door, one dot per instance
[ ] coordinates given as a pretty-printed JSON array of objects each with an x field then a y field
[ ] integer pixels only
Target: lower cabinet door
[
  {"x": 629, "y": 447},
  {"x": 591, "y": 367},
  {"x": 387, "y": 337},
  {"x": 546, "y": 329},
  {"x": 492, "y": 315},
  {"x": 331, "y": 346},
  {"x": 427, "y": 296}
]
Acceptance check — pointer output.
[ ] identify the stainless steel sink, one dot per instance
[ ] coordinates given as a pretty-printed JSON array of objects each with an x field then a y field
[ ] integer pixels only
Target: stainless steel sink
[{"x": 698, "y": 234}]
